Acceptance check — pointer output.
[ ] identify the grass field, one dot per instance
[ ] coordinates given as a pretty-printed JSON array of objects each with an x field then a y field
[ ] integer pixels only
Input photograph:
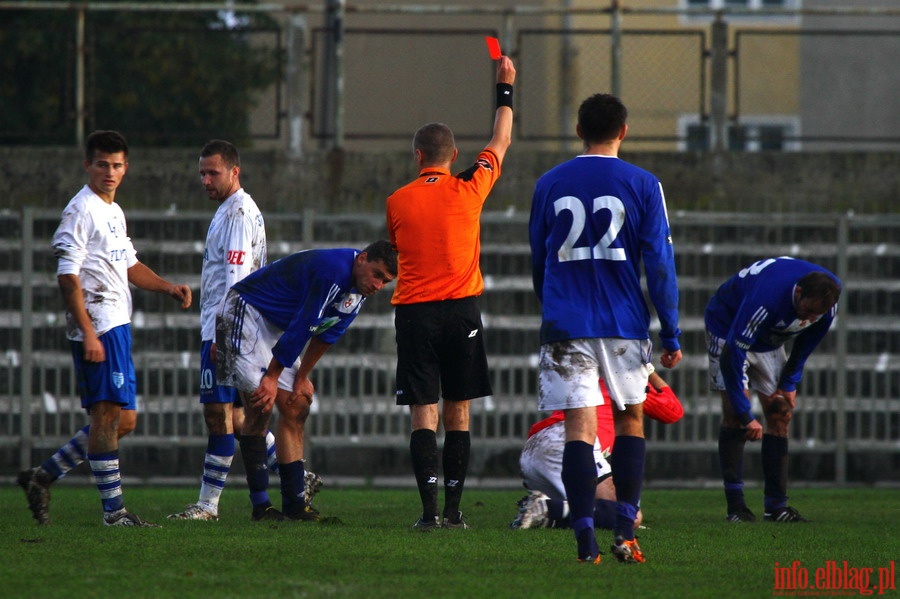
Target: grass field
[{"x": 372, "y": 553}]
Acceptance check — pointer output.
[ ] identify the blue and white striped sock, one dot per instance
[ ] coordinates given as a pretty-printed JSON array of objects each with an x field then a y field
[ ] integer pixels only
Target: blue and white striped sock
[
  {"x": 216, "y": 465},
  {"x": 105, "y": 467},
  {"x": 68, "y": 456}
]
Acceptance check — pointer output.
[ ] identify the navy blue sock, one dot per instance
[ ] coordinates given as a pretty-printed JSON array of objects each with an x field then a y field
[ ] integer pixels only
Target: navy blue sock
[
  {"x": 628, "y": 476},
  {"x": 253, "y": 453},
  {"x": 556, "y": 513},
  {"x": 292, "y": 499},
  {"x": 775, "y": 471},
  {"x": 424, "y": 454},
  {"x": 457, "y": 446},
  {"x": 605, "y": 513},
  {"x": 731, "y": 461},
  {"x": 579, "y": 476}
]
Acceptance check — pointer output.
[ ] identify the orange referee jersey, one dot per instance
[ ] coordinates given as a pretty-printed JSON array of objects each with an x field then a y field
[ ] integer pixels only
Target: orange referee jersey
[{"x": 435, "y": 225}]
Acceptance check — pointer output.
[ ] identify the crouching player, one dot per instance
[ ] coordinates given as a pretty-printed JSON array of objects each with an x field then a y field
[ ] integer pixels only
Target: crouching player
[{"x": 546, "y": 505}]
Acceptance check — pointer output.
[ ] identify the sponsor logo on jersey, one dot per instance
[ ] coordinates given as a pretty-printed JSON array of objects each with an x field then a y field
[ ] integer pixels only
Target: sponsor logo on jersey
[
  {"x": 236, "y": 256},
  {"x": 324, "y": 325}
]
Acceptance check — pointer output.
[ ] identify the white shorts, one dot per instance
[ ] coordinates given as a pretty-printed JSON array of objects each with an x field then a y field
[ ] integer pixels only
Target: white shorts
[
  {"x": 569, "y": 370},
  {"x": 762, "y": 370},
  {"x": 244, "y": 342},
  {"x": 541, "y": 461}
]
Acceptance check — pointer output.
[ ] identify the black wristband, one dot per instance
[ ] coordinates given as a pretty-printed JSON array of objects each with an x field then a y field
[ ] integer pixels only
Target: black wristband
[{"x": 504, "y": 95}]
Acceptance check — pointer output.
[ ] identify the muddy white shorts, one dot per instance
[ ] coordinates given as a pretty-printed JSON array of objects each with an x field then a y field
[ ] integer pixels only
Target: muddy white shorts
[
  {"x": 762, "y": 370},
  {"x": 244, "y": 342},
  {"x": 569, "y": 370}
]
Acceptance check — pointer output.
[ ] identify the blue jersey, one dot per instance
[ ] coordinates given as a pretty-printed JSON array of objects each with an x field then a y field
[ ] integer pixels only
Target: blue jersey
[
  {"x": 593, "y": 220},
  {"x": 754, "y": 311},
  {"x": 307, "y": 293}
]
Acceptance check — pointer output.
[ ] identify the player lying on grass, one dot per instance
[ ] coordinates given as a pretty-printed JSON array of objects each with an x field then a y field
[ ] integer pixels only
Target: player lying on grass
[{"x": 546, "y": 506}]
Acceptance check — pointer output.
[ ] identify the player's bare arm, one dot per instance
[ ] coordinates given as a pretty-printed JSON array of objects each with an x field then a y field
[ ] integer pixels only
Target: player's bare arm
[
  {"x": 314, "y": 351},
  {"x": 143, "y": 276},
  {"x": 503, "y": 118},
  {"x": 73, "y": 296}
]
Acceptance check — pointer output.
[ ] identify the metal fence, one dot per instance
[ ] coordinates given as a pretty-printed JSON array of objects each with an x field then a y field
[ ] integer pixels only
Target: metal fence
[
  {"x": 365, "y": 77},
  {"x": 848, "y": 407}
]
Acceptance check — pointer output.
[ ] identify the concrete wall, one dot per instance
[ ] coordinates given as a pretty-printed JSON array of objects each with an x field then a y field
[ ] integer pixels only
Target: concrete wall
[{"x": 751, "y": 182}]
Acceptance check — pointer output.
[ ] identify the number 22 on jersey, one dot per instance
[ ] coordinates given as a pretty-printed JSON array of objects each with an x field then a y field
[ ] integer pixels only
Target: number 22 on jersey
[{"x": 602, "y": 250}]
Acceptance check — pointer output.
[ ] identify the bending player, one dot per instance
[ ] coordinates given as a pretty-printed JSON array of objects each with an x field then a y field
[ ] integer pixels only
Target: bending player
[
  {"x": 273, "y": 328},
  {"x": 546, "y": 505},
  {"x": 748, "y": 320}
]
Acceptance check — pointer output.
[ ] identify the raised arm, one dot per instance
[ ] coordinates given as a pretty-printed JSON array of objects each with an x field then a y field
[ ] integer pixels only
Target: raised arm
[{"x": 503, "y": 117}]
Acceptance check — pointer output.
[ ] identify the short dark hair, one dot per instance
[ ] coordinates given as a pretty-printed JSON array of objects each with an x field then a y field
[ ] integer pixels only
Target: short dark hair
[
  {"x": 109, "y": 142},
  {"x": 436, "y": 142},
  {"x": 601, "y": 118},
  {"x": 225, "y": 149},
  {"x": 382, "y": 250},
  {"x": 821, "y": 287}
]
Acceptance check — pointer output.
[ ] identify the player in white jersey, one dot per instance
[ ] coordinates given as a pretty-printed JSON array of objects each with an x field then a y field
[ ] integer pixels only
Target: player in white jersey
[
  {"x": 235, "y": 247},
  {"x": 96, "y": 264}
]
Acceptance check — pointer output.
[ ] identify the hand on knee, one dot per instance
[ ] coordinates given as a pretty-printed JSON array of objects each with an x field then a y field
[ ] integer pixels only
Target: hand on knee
[{"x": 778, "y": 416}]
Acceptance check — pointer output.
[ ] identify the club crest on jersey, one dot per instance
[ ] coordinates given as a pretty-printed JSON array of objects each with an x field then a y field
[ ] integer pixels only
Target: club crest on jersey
[
  {"x": 348, "y": 303},
  {"x": 118, "y": 379}
]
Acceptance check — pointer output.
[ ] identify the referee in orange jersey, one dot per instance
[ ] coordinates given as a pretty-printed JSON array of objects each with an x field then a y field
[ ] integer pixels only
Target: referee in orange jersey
[{"x": 434, "y": 224}]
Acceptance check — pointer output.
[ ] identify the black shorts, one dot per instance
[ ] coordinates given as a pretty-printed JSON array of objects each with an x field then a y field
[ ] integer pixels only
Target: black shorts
[{"x": 440, "y": 352}]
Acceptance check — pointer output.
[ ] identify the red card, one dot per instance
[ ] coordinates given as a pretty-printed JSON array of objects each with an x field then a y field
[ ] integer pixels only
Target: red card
[{"x": 493, "y": 45}]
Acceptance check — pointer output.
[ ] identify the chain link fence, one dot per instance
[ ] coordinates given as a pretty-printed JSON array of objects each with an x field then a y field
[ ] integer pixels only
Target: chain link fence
[{"x": 366, "y": 78}]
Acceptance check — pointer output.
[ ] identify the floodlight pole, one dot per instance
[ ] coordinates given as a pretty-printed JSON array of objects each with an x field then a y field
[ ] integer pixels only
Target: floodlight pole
[{"x": 79, "y": 77}]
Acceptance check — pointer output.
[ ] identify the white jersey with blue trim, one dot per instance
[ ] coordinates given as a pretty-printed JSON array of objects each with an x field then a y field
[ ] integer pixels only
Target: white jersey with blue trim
[
  {"x": 594, "y": 219},
  {"x": 92, "y": 243},
  {"x": 754, "y": 311},
  {"x": 307, "y": 293},
  {"x": 235, "y": 247}
]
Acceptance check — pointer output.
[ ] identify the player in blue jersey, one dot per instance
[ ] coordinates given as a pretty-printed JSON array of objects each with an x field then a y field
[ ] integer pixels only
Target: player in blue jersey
[
  {"x": 594, "y": 219},
  {"x": 272, "y": 329},
  {"x": 748, "y": 321}
]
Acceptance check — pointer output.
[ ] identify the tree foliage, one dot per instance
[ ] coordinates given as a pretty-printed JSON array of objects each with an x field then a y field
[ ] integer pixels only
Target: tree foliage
[{"x": 162, "y": 78}]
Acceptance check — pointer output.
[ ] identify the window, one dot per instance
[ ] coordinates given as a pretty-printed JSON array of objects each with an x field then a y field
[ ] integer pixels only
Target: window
[
  {"x": 742, "y": 5},
  {"x": 751, "y": 134},
  {"x": 751, "y": 4}
]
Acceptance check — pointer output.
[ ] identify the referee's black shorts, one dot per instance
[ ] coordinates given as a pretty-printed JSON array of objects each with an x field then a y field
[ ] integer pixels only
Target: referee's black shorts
[{"x": 440, "y": 352}]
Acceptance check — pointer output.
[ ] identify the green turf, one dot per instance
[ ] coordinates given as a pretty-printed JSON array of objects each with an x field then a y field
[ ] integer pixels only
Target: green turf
[{"x": 691, "y": 551}]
